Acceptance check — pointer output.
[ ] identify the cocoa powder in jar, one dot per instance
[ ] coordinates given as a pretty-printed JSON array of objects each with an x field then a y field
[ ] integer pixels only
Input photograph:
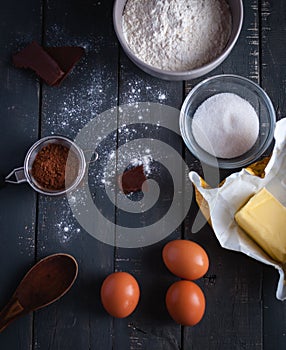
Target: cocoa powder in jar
[{"x": 55, "y": 167}]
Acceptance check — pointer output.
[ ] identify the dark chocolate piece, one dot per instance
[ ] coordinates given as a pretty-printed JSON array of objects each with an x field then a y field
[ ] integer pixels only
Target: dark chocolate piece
[
  {"x": 66, "y": 57},
  {"x": 36, "y": 58},
  {"x": 132, "y": 180}
]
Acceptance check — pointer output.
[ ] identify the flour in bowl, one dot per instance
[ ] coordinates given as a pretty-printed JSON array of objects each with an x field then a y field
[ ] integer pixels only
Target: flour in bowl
[{"x": 177, "y": 35}]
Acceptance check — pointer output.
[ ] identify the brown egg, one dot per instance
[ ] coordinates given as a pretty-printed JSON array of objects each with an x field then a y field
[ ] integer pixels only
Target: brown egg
[
  {"x": 185, "y": 303},
  {"x": 185, "y": 259},
  {"x": 120, "y": 294}
]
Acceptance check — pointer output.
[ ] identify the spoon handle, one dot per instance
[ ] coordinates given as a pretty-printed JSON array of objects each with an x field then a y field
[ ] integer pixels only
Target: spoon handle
[{"x": 10, "y": 312}]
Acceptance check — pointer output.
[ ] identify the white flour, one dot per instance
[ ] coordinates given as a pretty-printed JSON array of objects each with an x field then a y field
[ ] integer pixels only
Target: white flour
[{"x": 176, "y": 35}]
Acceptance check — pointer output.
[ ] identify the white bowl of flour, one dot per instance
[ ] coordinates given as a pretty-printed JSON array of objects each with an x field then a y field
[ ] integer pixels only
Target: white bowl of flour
[
  {"x": 227, "y": 121},
  {"x": 177, "y": 39}
]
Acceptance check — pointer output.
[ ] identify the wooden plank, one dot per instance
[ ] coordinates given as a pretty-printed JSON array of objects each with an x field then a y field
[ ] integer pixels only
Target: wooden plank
[
  {"x": 233, "y": 284},
  {"x": 273, "y": 26},
  {"x": 78, "y": 321},
  {"x": 273, "y": 70},
  {"x": 150, "y": 327},
  {"x": 19, "y": 24}
]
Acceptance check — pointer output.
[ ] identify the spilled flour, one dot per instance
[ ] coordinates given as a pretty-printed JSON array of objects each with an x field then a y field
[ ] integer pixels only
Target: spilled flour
[{"x": 78, "y": 104}]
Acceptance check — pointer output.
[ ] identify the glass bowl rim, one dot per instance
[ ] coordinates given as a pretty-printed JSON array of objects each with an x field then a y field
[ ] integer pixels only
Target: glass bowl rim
[{"x": 220, "y": 162}]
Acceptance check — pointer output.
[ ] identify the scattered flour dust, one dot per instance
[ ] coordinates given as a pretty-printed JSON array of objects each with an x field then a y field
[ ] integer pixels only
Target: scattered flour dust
[
  {"x": 145, "y": 160},
  {"x": 80, "y": 103},
  {"x": 132, "y": 158},
  {"x": 177, "y": 35},
  {"x": 67, "y": 229}
]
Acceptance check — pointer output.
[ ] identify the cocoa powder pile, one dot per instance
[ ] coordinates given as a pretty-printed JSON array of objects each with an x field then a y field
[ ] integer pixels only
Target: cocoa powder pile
[
  {"x": 51, "y": 170},
  {"x": 132, "y": 180}
]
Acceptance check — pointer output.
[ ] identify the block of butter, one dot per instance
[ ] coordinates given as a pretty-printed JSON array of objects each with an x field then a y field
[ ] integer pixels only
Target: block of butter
[{"x": 263, "y": 217}]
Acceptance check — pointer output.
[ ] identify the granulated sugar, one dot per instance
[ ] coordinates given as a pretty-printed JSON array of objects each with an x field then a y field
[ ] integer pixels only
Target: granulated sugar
[
  {"x": 225, "y": 125},
  {"x": 176, "y": 35}
]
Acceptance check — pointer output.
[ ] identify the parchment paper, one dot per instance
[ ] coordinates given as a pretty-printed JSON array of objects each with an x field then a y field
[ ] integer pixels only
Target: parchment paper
[{"x": 226, "y": 200}]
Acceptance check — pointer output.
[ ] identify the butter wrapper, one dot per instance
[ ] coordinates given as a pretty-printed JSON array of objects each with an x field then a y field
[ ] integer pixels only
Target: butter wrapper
[{"x": 223, "y": 202}]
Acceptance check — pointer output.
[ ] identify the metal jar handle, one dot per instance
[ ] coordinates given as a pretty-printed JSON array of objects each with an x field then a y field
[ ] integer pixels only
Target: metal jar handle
[
  {"x": 17, "y": 176},
  {"x": 22, "y": 174}
]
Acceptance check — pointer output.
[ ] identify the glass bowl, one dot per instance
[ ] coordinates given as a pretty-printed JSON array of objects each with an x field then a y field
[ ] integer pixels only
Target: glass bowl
[
  {"x": 75, "y": 158},
  {"x": 244, "y": 88}
]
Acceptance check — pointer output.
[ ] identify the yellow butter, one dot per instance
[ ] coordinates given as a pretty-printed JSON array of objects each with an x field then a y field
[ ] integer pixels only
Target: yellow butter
[{"x": 263, "y": 217}]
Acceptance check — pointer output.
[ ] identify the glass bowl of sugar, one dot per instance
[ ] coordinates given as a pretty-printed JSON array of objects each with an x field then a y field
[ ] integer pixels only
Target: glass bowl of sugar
[{"x": 227, "y": 121}]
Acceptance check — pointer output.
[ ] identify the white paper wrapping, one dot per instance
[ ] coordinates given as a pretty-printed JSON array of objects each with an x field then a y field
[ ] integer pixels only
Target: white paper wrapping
[{"x": 226, "y": 200}]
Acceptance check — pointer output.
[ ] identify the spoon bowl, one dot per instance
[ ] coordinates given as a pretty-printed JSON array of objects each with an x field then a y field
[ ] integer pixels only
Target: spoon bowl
[{"x": 44, "y": 283}]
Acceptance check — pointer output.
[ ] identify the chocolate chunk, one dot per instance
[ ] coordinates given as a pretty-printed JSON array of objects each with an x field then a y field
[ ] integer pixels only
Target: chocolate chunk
[
  {"x": 36, "y": 58},
  {"x": 66, "y": 57},
  {"x": 132, "y": 180},
  {"x": 52, "y": 64}
]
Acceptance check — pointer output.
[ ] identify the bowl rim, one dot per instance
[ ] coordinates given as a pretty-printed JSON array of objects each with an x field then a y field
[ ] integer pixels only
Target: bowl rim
[
  {"x": 180, "y": 75},
  {"x": 54, "y": 139},
  {"x": 225, "y": 163}
]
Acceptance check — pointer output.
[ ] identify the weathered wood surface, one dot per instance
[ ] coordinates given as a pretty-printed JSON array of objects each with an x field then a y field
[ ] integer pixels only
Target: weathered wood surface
[
  {"x": 273, "y": 70},
  {"x": 233, "y": 292},
  {"x": 19, "y": 129},
  {"x": 242, "y": 312},
  {"x": 78, "y": 321}
]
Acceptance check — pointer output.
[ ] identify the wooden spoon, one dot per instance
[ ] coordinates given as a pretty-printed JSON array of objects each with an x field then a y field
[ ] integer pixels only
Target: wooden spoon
[{"x": 44, "y": 283}]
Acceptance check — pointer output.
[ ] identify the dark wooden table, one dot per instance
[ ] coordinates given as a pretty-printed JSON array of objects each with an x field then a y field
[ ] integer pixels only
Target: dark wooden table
[{"x": 242, "y": 311}]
